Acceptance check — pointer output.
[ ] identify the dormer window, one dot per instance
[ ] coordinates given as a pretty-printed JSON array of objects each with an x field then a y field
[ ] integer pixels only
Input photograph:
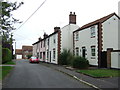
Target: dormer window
[{"x": 92, "y": 31}]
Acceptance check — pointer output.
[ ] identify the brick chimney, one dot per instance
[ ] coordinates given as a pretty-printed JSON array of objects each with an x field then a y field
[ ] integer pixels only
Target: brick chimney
[
  {"x": 56, "y": 29},
  {"x": 72, "y": 18},
  {"x": 39, "y": 38},
  {"x": 45, "y": 35}
]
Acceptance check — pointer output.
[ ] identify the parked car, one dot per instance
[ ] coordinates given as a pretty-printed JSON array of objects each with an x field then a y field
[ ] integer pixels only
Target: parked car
[{"x": 34, "y": 59}]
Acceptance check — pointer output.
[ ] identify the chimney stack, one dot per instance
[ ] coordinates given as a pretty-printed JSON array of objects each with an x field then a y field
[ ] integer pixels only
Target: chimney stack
[
  {"x": 39, "y": 38},
  {"x": 45, "y": 35},
  {"x": 56, "y": 29},
  {"x": 72, "y": 18}
]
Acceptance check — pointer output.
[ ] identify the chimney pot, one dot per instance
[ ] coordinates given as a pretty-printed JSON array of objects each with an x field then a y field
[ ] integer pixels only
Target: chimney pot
[
  {"x": 45, "y": 35},
  {"x": 56, "y": 29},
  {"x": 72, "y": 18}
]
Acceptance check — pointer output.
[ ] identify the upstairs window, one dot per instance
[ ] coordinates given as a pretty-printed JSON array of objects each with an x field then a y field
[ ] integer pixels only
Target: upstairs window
[
  {"x": 54, "y": 39},
  {"x": 92, "y": 31},
  {"x": 48, "y": 42},
  {"x": 77, "y": 36},
  {"x": 41, "y": 44},
  {"x": 44, "y": 43}
]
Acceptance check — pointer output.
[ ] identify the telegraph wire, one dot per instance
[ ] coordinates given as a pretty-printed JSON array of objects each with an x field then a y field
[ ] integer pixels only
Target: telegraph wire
[
  {"x": 30, "y": 16},
  {"x": 20, "y": 36}
]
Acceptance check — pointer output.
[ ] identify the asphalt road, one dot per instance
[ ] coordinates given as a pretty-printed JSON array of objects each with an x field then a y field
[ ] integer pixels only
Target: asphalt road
[{"x": 27, "y": 75}]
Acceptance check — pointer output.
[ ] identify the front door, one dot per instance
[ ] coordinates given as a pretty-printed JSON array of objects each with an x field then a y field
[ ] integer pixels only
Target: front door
[
  {"x": 83, "y": 52},
  {"x": 43, "y": 56},
  {"x": 50, "y": 56},
  {"x": 103, "y": 61}
]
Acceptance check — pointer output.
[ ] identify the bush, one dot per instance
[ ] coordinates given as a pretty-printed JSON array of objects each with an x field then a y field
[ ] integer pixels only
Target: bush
[
  {"x": 6, "y": 55},
  {"x": 65, "y": 57},
  {"x": 80, "y": 62},
  {"x": 29, "y": 56}
]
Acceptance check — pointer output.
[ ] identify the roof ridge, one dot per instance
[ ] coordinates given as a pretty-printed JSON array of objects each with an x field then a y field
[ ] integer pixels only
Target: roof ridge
[{"x": 98, "y": 20}]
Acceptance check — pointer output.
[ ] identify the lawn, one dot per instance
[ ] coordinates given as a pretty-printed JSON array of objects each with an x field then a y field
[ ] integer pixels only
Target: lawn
[
  {"x": 4, "y": 70},
  {"x": 10, "y": 63},
  {"x": 101, "y": 73}
]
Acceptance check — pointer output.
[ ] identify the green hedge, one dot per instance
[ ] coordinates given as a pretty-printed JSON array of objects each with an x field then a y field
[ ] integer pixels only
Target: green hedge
[
  {"x": 6, "y": 55},
  {"x": 29, "y": 56},
  {"x": 80, "y": 62}
]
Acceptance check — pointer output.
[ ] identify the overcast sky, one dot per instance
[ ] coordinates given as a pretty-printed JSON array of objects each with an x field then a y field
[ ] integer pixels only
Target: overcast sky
[{"x": 56, "y": 13}]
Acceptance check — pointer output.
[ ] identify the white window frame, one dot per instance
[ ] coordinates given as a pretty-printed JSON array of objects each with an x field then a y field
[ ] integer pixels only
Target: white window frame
[
  {"x": 77, "y": 51},
  {"x": 92, "y": 29},
  {"x": 93, "y": 51},
  {"x": 77, "y": 36}
]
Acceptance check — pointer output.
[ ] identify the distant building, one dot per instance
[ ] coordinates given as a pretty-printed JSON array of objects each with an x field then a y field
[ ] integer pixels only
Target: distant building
[
  {"x": 22, "y": 53},
  {"x": 18, "y": 53},
  {"x": 26, "y": 50}
]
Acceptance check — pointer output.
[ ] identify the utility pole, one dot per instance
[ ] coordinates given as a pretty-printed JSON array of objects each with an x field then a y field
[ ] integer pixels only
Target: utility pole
[{"x": 15, "y": 50}]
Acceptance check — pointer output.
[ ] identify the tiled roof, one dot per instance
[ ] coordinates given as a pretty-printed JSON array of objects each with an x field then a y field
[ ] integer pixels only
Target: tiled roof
[
  {"x": 18, "y": 51},
  {"x": 46, "y": 37},
  {"x": 101, "y": 20},
  {"x": 27, "y": 47}
]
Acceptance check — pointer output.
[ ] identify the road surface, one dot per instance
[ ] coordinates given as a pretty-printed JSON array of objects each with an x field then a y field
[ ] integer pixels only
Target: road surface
[{"x": 27, "y": 75}]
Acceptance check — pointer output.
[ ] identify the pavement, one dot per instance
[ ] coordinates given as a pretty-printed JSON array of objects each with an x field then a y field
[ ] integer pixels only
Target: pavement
[{"x": 111, "y": 83}]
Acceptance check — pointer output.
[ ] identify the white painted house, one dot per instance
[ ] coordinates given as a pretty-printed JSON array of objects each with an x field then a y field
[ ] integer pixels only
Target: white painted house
[
  {"x": 49, "y": 48},
  {"x": 52, "y": 45},
  {"x": 67, "y": 33},
  {"x": 93, "y": 39}
]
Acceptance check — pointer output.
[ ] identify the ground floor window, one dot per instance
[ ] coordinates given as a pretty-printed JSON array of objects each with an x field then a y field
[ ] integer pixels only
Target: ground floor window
[
  {"x": 93, "y": 51},
  {"x": 77, "y": 51},
  {"x": 47, "y": 54},
  {"x": 40, "y": 55}
]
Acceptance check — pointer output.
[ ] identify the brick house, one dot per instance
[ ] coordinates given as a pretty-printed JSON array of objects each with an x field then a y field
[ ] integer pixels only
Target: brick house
[{"x": 22, "y": 53}]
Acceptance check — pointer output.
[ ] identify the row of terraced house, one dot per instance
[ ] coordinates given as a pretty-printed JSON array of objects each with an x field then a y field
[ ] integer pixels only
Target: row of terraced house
[{"x": 98, "y": 42}]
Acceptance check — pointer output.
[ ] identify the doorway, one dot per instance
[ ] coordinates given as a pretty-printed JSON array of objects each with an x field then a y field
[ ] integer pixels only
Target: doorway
[{"x": 83, "y": 52}]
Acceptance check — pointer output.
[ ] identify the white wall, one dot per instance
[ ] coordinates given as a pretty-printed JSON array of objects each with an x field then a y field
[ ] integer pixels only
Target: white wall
[
  {"x": 18, "y": 56},
  {"x": 85, "y": 40},
  {"x": 35, "y": 49},
  {"x": 110, "y": 34},
  {"x": 119, "y": 34},
  {"x": 67, "y": 36},
  {"x": 52, "y": 46},
  {"x": 115, "y": 60}
]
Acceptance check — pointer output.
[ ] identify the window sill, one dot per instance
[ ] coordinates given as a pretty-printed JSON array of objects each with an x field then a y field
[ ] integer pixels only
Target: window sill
[
  {"x": 93, "y": 37},
  {"x": 53, "y": 59},
  {"x": 76, "y": 40},
  {"x": 93, "y": 57}
]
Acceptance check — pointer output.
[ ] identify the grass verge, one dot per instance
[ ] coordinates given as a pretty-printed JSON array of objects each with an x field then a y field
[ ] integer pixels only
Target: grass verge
[
  {"x": 4, "y": 70},
  {"x": 9, "y": 63},
  {"x": 99, "y": 73}
]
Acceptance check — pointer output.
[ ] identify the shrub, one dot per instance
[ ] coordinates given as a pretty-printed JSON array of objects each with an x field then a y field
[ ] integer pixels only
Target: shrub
[
  {"x": 65, "y": 57},
  {"x": 6, "y": 55},
  {"x": 29, "y": 56},
  {"x": 80, "y": 62}
]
